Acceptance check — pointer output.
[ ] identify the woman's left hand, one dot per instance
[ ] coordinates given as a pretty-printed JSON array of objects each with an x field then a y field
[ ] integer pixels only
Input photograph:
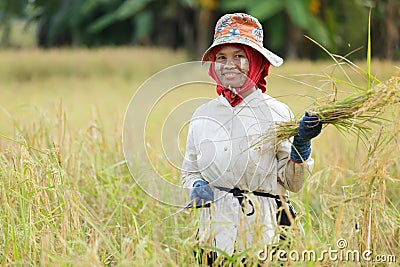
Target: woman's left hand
[{"x": 310, "y": 126}]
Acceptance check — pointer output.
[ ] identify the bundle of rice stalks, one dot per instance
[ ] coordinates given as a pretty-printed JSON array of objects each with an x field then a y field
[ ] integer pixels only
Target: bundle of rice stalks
[{"x": 354, "y": 113}]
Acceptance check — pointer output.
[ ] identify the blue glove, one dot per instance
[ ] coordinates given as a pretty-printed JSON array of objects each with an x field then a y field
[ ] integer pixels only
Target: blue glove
[
  {"x": 202, "y": 192},
  {"x": 309, "y": 127}
]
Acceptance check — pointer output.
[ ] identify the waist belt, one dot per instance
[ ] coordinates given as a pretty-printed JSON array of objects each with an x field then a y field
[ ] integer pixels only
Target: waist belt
[{"x": 238, "y": 193}]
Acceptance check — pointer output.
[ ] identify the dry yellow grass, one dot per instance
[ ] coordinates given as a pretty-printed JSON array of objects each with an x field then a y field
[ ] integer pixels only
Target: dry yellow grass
[{"x": 68, "y": 198}]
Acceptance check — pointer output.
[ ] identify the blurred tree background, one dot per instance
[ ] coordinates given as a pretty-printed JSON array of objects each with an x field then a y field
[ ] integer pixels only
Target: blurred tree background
[{"x": 340, "y": 25}]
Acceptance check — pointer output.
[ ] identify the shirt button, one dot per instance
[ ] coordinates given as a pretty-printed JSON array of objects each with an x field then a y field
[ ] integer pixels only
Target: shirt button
[{"x": 225, "y": 148}]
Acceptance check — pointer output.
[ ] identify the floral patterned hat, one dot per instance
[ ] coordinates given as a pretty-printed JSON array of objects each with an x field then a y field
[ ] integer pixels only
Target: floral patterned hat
[{"x": 240, "y": 28}]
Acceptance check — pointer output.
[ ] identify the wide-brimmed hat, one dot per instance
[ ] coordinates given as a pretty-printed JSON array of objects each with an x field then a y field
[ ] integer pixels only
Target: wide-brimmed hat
[{"x": 240, "y": 28}]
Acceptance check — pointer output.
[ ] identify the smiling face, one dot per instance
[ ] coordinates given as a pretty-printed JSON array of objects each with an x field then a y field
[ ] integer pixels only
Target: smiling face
[{"x": 231, "y": 66}]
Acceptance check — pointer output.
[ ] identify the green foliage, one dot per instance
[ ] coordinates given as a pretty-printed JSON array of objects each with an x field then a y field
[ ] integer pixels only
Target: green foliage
[
  {"x": 127, "y": 9},
  {"x": 10, "y": 9},
  {"x": 299, "y": 13},
  {"x": 171, "y": 23},
  {"x": 347, "y": 30},
  {"x": 107, "y": 22},
  {"x": 266, "y": 9},
  {"x": 274, "y": 14}
]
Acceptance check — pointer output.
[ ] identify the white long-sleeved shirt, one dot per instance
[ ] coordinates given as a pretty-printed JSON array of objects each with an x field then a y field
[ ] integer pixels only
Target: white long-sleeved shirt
[{"x": 222, "y": 148}]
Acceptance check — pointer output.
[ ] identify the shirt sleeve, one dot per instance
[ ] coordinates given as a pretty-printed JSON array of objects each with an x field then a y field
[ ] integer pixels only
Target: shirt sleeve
[
  {"x": 291, "y": 175},
  {"x": 190, "y": 170}
]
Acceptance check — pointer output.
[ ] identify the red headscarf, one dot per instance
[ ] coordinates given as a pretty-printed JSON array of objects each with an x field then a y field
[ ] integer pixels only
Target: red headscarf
[{"x": 258, "y": 70}]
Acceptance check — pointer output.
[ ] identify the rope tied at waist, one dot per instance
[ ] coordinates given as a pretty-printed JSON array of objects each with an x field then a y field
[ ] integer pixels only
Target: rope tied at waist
[{"x": 239, "y": 194}]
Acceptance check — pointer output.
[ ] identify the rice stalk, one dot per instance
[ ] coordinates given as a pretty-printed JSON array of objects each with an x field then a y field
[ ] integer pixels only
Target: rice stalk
[{"x": 354, "y": 113}]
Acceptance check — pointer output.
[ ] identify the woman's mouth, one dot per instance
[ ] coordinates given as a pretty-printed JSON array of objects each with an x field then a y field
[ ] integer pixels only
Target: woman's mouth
[{"x": 231, "y": 75}]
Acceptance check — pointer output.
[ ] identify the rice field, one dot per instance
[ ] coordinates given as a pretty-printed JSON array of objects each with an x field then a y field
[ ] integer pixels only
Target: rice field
[{"x": 69, "y": 199}]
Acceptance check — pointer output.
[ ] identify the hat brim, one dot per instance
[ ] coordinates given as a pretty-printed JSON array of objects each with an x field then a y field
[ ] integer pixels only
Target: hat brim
[{"x": 274, "y": 59}]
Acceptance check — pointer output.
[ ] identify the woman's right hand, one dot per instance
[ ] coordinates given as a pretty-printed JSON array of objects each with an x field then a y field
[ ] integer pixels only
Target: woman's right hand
[{"x": 202, "y": 192}]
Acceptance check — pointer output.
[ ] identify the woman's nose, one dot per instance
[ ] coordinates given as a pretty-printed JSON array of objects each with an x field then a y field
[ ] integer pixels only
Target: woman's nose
[{"x": 230, "y": 63}]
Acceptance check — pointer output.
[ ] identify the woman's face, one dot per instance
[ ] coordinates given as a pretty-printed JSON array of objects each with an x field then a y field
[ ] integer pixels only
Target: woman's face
[{"x": 231, "y": 66}]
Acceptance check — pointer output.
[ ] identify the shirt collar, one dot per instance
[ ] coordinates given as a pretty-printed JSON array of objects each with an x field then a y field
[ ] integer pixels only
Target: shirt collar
[{"x": 252, "y": 100}]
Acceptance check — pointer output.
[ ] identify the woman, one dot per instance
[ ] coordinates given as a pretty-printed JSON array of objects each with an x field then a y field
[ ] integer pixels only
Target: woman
[{"x": 224, "y": 162}]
